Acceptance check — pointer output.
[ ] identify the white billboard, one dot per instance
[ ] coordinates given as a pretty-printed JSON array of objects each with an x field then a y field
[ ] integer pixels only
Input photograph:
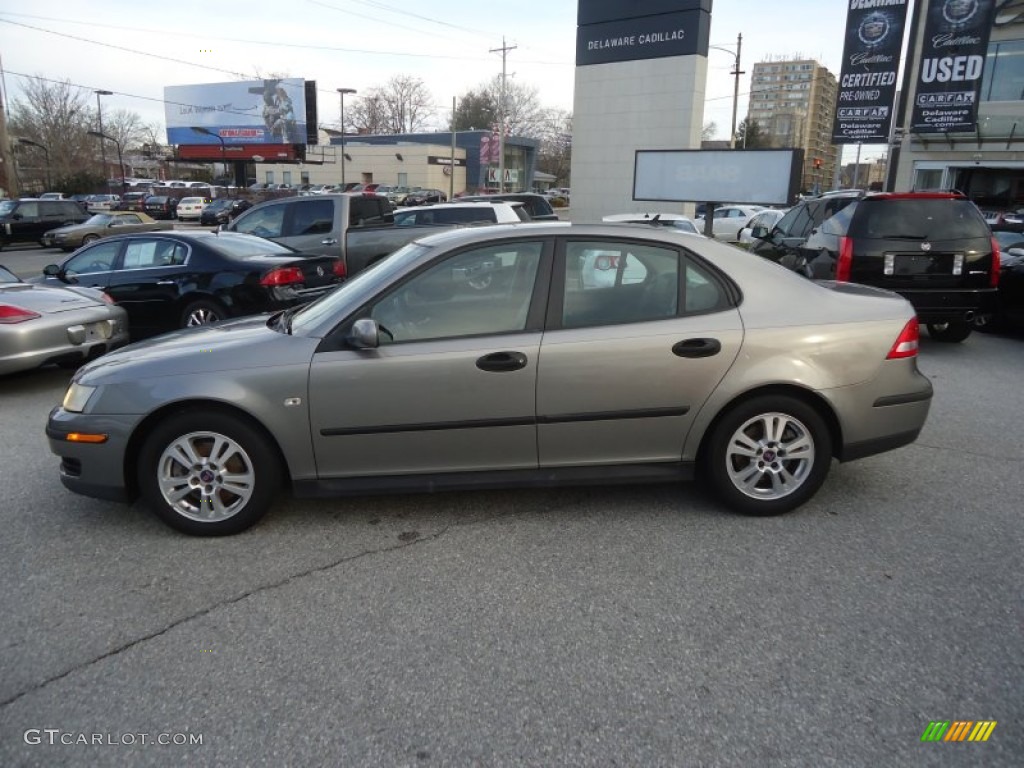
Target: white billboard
[{"x": 755, "y": 176}]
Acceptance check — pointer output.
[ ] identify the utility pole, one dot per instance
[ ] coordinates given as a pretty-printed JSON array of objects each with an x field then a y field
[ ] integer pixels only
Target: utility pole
[
  {"x": 501, "y": 114},
  {"x": 8, "y": 178},
  {"x": 736, "y": 93}
]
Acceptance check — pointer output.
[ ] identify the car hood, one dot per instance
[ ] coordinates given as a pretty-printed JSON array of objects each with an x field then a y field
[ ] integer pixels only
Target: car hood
[
  {"x": 48, "y": 300},
  {"x": 234, "y": 345},
  {"x": 71, "y": 229}
]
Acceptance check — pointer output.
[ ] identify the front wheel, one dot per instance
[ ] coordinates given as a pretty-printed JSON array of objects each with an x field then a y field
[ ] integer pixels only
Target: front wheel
[
  {"x": 951, "y": 332},
  {"x": 768, "y": 455},
  {"x": 90, "y": 239},
  {"x": 208, "y": 474}
]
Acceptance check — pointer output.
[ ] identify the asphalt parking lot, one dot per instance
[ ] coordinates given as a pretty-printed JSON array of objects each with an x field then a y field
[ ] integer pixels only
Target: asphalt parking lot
[{"x": 638, "y": 626}]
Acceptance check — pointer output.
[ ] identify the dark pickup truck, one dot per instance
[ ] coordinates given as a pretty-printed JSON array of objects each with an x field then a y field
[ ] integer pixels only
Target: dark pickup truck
[{"x": 358, "y": 227}]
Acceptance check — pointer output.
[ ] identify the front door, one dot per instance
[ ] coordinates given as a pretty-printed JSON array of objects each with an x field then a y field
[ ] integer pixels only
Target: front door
[{"x": 452, "y": 387}]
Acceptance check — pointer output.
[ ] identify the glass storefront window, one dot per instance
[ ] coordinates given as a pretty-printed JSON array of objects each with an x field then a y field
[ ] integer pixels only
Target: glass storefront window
[{"x": 1003, "y": 78}]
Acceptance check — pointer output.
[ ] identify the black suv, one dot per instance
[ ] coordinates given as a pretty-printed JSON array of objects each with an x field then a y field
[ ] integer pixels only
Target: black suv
[
  {"x": 27, "y": 220},
  {"x": 933, "y": 248},
  {"x": 161, "y": 206},
  {"x": 781, "y": 242}
]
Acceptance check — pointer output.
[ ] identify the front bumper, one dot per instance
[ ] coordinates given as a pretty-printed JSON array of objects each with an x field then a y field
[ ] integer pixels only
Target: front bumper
[{"x": 92, "y": 469}]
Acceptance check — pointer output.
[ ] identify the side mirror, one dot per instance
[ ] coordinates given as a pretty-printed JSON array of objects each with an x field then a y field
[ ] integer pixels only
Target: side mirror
[
  {"x": 365, "y": 334},
  {"x": 51, "y": 270},
  {"x": 760, "y": 232}
]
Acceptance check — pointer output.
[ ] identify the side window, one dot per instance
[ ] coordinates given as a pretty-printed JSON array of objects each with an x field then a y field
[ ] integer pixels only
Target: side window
[
  {"x": 28, "y": 210},
  {"x": 478, "y": 292},
  {"x": 98, "y": 258},
  {"x": 365, "y": 211},
  {"x": 840, "y": 222},
  {"x": 607, "y": 283},
  {"x": 314, "y": 217},
  {"x": 51, "y": 210},
  {"x": 701, "y": 292},
  {"x": 800, "y": 225},
  {"x": 264, "y": 222}
]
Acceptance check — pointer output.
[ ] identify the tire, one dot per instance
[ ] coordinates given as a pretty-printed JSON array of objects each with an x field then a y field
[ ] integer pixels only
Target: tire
[
  {"x": 201, "y": 313},
  {"x": 86, "y": 239},
  {"x": 951, "y": 332},
  {"x": 768, "y": 455},
  {"x": 228, "y": 486}
]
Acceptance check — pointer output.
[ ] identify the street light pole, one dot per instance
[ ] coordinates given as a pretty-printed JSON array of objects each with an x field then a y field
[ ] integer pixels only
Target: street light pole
[
  {"x": 341, "y": 93},
  {"x": 46, "y": 153},
  {"x": 736, "y": 72},
  {"x": 103, "y": 147},
  {"x": 117, "y": 143},
  {"x": 223, "y": 150}
]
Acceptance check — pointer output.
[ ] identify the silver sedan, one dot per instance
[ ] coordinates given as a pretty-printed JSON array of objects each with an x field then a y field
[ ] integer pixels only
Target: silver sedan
[
  {"x": 705, "y": 362},
  {"x": 67, "y": 325}
]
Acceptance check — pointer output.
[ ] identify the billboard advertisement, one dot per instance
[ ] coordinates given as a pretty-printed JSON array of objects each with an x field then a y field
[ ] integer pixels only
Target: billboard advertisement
[
  {"x": 952, "y": 61},
  {"x": 244, "y": 112},
  {"x": 749, "y": 176},
  {"x": 871, "y": 60},
  {"x": 621, "y": 30}
]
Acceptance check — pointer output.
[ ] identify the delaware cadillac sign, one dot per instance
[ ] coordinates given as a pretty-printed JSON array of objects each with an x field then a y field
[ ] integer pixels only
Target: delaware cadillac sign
[
  {"x": 871, "y": 59},
  {"x": 613, "y": 30},
  {"x": 952, "y": 62}
]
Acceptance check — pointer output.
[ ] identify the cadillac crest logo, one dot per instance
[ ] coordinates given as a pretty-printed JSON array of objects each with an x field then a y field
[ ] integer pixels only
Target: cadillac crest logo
[
  {"x": 926, "y": 246},
  {"x": 873, "y": 29},
  {"x": 959, "y": 12}
]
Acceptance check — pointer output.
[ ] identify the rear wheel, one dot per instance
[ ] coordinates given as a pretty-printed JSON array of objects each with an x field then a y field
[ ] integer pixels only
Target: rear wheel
[
  {"x": 201, "y": 313},
  {"x": 950, "y": 332},
  {"x": 207, "y": 473},
  {"x": 89, "y": 239},
  {"x": 768, "y": 455}
]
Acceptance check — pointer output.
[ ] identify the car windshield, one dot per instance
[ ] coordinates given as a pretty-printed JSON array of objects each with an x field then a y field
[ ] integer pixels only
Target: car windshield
[
  {"x": 237, "y": 244},
  {"x": 216, "y": 205},
  {"x": 99, "y": 220},
  {"x": 6, "y": 276},
  {"x": 7, "y": 206},
  {"x": 335, "y": 302}
]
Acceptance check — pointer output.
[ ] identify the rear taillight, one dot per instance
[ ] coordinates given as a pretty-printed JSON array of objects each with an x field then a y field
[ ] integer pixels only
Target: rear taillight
[
  {"x": 906, "y": 342},
  {"x": 282, "y": 276},
  {"x": 845, "y": 259},
  {"x": 10, "y": 314},
  {"x": 106, "y": 298},
  {"x": 993, "y": 277},
  {"x": 339, "y": 268}
]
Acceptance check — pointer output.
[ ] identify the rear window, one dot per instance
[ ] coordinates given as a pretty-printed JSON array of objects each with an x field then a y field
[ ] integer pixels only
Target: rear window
[{"x": 917, "y": 219}]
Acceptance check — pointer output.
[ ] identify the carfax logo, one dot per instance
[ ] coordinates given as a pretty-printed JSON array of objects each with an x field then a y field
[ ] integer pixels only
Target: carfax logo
[
  {"x": 874, "y": 29},
  {"x": 959, "y": 12},
  {"x": 960, "y": 730}
]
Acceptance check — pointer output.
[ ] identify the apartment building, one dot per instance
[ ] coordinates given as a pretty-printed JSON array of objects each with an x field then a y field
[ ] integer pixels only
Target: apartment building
[{"x": 793, "y": 102}]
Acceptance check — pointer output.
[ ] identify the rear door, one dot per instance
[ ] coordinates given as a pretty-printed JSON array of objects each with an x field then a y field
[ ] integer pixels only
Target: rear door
[{"x": 629, "y": 357}]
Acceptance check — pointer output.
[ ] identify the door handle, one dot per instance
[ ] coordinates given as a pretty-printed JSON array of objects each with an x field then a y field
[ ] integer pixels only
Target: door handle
[
  {"x": 499, "y": 362},
  {"x": 697, "y": 348},
  {"x": 165, "y": 282},
  {"x": 329, "y": 241}
]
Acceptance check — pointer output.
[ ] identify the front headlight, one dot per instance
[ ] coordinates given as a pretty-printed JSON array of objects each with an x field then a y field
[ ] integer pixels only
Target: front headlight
[{"x": 77, "y": 397}]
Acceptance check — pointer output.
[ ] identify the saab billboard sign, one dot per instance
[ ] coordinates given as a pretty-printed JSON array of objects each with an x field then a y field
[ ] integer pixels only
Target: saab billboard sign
[
  {"x": 613, "y": 30},
  {"x": 245, "y": 112}
]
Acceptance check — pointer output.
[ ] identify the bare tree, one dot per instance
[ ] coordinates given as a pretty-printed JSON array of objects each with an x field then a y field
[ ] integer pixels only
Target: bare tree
[
  {"x": 58, "y": 116},
  {"x": 126, "y": 127},
  {"x": 707, "y": 133},
  {"x": 555, "y": 155},
  {"x": 523, "y": 112},
  {"x": 402, "y": 105}
]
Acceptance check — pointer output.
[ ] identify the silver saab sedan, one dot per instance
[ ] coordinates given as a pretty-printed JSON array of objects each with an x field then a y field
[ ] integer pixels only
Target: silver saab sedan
[{"x": 706, "y": 362}]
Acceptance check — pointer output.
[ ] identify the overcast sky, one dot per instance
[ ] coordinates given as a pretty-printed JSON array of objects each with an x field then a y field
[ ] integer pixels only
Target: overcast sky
[{"x": 136, "y": 48}]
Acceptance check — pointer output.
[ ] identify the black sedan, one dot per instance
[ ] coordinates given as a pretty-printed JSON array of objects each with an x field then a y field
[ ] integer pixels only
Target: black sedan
[
  {"x": 169, "y": 280},
  {"x": 222, "y": 210},
  {"x": 425, "y": 197},
  {"x": 1008, "y": 313}
]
